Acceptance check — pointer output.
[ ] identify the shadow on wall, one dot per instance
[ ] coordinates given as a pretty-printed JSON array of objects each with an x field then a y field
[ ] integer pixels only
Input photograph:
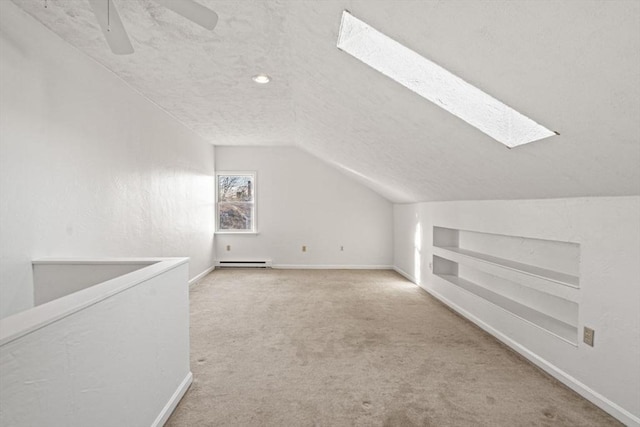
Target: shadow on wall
[{"x": 417, "y": 252}]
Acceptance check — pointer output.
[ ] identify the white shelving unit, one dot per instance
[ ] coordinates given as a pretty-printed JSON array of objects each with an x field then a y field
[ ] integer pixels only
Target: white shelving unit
[
  {"x": 544, "y": 297},
  {"x": 534, "y": 277}
]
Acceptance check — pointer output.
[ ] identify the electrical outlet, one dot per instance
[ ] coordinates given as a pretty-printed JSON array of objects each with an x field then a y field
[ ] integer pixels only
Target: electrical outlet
[
  {"x": 431, "y": 266},
  {"x": 304, "y": 249},
  {"x": 587, "y": 336},
  {"x": 228, "y": 248}
]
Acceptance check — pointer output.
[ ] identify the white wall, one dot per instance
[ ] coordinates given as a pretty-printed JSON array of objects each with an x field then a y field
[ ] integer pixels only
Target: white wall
[
  {"x": 608, "y": 231},
  {"x": 303, "y": 201},
  {"x": 87, "y": 166},
  {"x": 53, "y": 279},
  {"x": 99, "y": 357}
]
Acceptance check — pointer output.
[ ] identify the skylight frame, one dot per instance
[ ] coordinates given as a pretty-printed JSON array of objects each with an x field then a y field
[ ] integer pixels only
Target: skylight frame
[{"x": 437, "y": 85}]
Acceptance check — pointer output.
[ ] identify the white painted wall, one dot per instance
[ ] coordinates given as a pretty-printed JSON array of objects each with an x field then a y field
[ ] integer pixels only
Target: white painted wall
[
  {"x": 303, "y": 201},
  {"x": 99, "y": 357},
  {"x": 53, "y": 279},
  {"x": 88, "y": 167},
  {"x": 608, "y": 231}
]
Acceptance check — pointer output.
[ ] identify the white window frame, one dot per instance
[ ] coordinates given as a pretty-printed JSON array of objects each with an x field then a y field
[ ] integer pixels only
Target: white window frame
[{"x": 254, "y": 211}]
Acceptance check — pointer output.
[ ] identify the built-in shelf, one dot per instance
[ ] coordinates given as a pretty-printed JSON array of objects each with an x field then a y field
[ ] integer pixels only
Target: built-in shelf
[
  {"x": 537, "y": 277},
  {"x": 557, "y": 327},
  {"x": 536, "y": 280}
]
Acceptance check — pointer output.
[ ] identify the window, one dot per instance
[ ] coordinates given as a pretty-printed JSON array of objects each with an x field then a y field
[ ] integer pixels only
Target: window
[
  {"x": 235, "y": 202},
  {"x": 437, "y": 85}
]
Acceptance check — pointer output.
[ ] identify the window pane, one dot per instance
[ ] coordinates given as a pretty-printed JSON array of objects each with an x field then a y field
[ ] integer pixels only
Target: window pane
[
  {"x": 232, "y": 188},
  {"x": 235, "y": 216}
]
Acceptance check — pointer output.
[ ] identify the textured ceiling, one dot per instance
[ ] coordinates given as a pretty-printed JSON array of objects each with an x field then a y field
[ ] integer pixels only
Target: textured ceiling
[{"x": 572, "y": 66}]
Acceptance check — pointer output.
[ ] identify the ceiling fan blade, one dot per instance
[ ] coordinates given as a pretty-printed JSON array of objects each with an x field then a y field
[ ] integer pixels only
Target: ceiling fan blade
[
  {"x": 112, "y": 27},
  {"x": 193, "y": 11}
]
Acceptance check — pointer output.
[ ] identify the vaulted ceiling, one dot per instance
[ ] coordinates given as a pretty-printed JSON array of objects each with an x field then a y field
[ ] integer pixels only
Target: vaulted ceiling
[{"x": 572, "y": 66}]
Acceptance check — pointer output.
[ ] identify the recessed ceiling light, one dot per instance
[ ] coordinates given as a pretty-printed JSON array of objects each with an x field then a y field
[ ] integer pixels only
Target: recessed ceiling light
[
  {"x": 437, "y": 85},
  {"x": 261, "y": 78}
]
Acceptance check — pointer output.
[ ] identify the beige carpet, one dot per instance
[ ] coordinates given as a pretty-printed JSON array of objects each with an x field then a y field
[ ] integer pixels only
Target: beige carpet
[{"x": 355, "y": 348}]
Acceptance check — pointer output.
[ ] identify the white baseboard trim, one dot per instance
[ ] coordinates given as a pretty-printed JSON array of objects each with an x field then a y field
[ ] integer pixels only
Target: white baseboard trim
[
  {"x": 405, "y": 275},
  {"x": 201, "y": 275},
  {"x": 331, "y": 267},
  {"x": 168, "y": 409},
  {"x": 594, "y": 397}
]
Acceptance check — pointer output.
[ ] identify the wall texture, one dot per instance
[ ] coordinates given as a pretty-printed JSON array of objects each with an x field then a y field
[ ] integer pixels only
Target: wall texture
[
  {"x": 608, "y": 232},
  {"x": 100, "y": 358},
  {"x": 303, "y": 201},
  {"x": 88, "y": 167}
]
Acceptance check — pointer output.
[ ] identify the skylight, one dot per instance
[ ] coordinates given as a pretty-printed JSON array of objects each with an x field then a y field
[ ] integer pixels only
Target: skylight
[{"x": 437, "y": 85}]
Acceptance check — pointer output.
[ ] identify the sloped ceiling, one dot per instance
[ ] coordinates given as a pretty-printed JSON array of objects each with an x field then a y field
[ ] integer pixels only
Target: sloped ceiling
[{"x": 572, "y": 66}]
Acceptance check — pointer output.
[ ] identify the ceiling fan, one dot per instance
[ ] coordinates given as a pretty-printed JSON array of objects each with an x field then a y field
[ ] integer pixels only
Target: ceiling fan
[{"x": 116, "y": 35}]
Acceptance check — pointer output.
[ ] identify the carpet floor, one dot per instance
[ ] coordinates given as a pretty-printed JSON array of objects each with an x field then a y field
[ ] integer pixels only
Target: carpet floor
[{"x": 355, "y": 348}]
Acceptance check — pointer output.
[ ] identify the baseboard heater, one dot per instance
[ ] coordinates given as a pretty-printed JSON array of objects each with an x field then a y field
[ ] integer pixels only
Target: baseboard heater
[{"x": 245, "y": 264}]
